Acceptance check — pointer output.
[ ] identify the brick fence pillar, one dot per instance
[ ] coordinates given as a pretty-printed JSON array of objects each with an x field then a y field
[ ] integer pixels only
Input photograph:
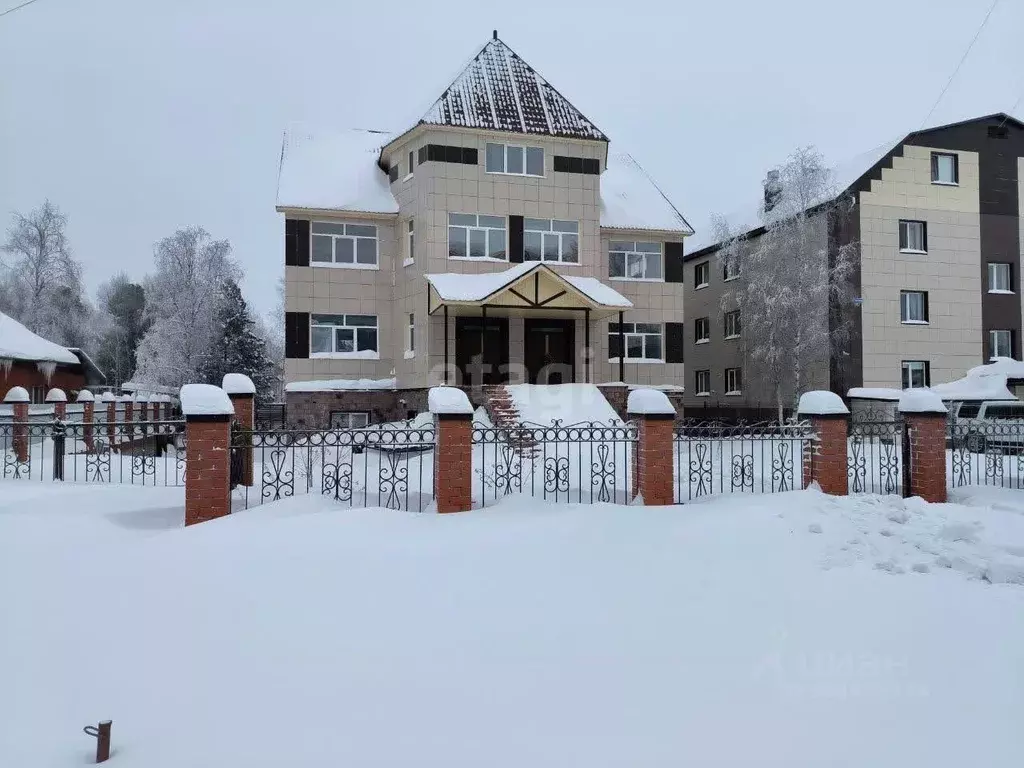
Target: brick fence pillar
[
  {"x": 18, "y": 399},
  {"x": 652, "y": 456},
  {"x": 88, "y": 414},
  {"x": 59, "y": 399},
  {"x": 155, "y": 405},
  {"x": 108, "y": 398},
  {"x": 208, "y": 414},
  {"x": 453, "y": 449},
  {"x": 824, "y": 459},
  {"x": 242, "y": 392},
  {"x": 924, "y": 451}
]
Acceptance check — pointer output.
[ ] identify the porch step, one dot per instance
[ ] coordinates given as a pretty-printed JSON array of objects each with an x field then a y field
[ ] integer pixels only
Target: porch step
[{"x": 504, "y": 415}]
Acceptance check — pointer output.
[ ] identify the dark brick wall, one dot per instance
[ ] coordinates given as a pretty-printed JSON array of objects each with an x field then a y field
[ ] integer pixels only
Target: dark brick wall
[{"x": 313, "y": 409}]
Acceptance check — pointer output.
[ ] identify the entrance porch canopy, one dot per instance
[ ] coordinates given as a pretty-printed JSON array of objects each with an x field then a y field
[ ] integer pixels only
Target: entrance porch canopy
[{"x": 528, "y": 289}]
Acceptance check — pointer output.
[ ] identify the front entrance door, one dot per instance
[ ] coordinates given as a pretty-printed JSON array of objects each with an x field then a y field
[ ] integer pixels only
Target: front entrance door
[
  {"x": 481, "y": 351},
  {"x": 549, "y": 346}
]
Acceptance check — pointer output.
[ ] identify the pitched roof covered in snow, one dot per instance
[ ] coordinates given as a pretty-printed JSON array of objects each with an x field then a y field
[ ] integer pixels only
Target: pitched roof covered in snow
[
  {"x": 334, "y": 171},
  {"x": 499, "y": 91},
  {"x": 631, "y": 200},
  {"x": 19, "y": 343}
]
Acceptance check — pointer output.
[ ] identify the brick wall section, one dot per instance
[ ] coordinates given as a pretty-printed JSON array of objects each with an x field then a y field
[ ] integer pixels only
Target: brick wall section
[
  {"x": 825, "y": 455},
  {"x": 19, "y": 437},
  {"x": 453, "y": 463},
  {"x": 245, "y": 418},
  {"x": 313, "y": 409},
  {"x": 207, "y": 468},
  {"x": 60, "y": 410},
  {"x": 618, "y": 396},
  {"x": 927, "y": 432},
  {"x": 652, "y": 460},
  {"x": 88, "y": 414}
]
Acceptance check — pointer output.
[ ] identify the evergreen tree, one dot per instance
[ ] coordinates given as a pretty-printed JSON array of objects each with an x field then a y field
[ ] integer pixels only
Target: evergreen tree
[{"x": 237, "y": 347}]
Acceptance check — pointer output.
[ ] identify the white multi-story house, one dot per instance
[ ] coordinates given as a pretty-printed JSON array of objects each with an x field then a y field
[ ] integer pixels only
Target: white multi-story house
[{"x": 496, "y": 240}]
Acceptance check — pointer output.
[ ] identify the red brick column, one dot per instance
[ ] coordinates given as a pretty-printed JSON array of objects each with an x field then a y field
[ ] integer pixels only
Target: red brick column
[
  {"x": 927, "y": 459},
  {"x": 88, "y": 414},
  {"x": 453, "y": 462},
  {"x": 207, "y": 468},
  {"x": 111, "y": 422},
  {"x": 156, "y": 410},
  {"x": 825, "y": 461},
  {"x": 17, "y": 397},
  {"x": 652, "y": 459},
  {"x": 129, "y": 411},
  {"x": 245, "y": 419}
]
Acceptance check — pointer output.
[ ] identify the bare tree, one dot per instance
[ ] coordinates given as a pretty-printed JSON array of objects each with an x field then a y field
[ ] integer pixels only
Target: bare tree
[
  {"x": 796, "y": 289},
  {"x": 44, "y": 282},
  {"x": 181, "y": 302}
]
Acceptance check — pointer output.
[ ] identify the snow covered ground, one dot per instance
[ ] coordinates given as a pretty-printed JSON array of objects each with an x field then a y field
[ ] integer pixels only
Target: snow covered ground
[{"x": 778, "y": 630}]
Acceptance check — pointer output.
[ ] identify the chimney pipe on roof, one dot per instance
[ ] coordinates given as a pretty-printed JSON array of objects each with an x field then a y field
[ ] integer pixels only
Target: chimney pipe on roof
[
  {"x": 495, "y": 34},
  {"x": 772, "y": 190}
]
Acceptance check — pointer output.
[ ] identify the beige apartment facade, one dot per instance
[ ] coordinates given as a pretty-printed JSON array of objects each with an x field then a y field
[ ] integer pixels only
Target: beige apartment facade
[
  {"x": 498, "y": 240},
  {"x": 936, "y": 224}
]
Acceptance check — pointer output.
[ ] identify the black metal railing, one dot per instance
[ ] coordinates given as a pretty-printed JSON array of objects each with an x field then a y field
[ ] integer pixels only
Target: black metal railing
[
  {"x": 874, "y": 456},
  {"x": 985, "y": 453},
  {"x": 388, "y": 466},
  {"x": 138, "y": 453},
  {"x": 579, "y": 463},
  {"x": 713, "y": 458}
]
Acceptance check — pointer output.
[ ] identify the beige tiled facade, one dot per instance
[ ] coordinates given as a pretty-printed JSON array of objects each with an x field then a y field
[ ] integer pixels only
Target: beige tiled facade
[{"x": 952, "y": 339}]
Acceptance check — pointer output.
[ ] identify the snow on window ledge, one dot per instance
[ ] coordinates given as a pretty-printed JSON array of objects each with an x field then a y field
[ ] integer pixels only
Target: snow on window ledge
[
  {"x": 408, "y": 176},
  {"x": 703, "y": 341},
  {"x": 702, "y": 285},
  {"x": 1002, "y": 291},
  {"x": 702, "y": 394},
  {"x": 337, "y": 265},
  {"x": 484, "y": 259},
  {"x": 914, "y": 322},
  {"x": 409, "y": 354},
  {"x": 946, "y": 183},
  {"x": 635, "y": 279},
  {"x": 408, "y": 262},
  {"x": 638, "y": 360},
  {"x": 365, "y": 354},
  {"x": 730, "y": 279},
  {"x": 914, "y": 251},
  {"x": 734, "y": 336},
  {"x": 733, "y": 394}
]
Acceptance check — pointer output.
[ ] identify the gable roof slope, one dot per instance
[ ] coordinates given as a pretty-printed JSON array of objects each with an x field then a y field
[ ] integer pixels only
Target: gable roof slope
[{"x": 498, "y": 90}]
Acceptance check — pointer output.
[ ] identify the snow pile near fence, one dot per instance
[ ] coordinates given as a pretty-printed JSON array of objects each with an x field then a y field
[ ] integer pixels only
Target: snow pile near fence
[
  {"x": 792, "y": 630},
  {"x": 569, "y": 403}
]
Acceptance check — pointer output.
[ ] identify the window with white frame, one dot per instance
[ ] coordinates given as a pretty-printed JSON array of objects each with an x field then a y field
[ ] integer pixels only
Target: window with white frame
[
  {"x": 914, "y": 307},
  {"x": 733, "y": 381},
  {"x": 635, "y": 261},
  {"x": 411, "y": 238},
  {"x": 915, "y": 373},
  {"x": 349, "y": 419},
  {"x": 913, "y": 237},
  {"x": 412, "y": 164},
  {"x": 945, "y": 168},
  {"x": 701, "y": 274},
  {"x": 702, "y": 330},
  {"x": 343, "y": 245},
  {"x": 643, "y": 341},
  {"x": 1000, "y": 343},
  {"x": 515, "y": 159},
  {"x": 412, "y": 333},
  {"x": 343, "y": 336},
  {"x": 702, "y": 382},
  {"x": 732, "y": 325},
  {"x": 551, "y": 240},
  {"x": 730, "y": 267},
  {"x": 999, "y": 277},
  {"x": 476, "y": 237}
]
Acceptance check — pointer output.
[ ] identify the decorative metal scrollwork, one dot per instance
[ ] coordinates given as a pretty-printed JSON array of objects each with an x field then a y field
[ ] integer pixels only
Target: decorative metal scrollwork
[
  {"x": 700, "y": 469},
  {"x": 278, "y": 482},
  {"x": 97, "y": 466},
  {"x": 743, "y": 472},
  {"x": 782, "y": 467},
  {"x": 602, "y": 473},
  {"x": 142, "y": 467},
  {"x": 556, "y": 474},
  {"x": 394, "y": 479},
  {"x": 16, "y": 469},
  {"x": 508, "y": 470},
  {"x": 337, "y": 479}
]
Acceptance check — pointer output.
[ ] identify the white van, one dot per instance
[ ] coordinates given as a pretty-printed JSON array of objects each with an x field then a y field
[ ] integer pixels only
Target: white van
[{"x": 988, "y": 424}]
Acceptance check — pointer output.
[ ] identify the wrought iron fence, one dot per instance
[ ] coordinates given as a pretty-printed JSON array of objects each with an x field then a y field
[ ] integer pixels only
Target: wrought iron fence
[
  {"x": 388, "y": 466},
  {"x": 986, "y": 453},
  {"x": 874, "y": 456},
  {"x": 714, "y": 458},
  {"x": 581, "y": 463},
  {"x": 138, "y": 453}
]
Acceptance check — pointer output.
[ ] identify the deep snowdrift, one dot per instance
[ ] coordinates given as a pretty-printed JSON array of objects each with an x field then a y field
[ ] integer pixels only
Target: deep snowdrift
[{"x": 754, "y": 631}]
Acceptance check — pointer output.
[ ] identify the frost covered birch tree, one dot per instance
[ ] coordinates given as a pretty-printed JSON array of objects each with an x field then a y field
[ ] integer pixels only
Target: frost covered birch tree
[
  {"x": 796, "y": 290},
  {"x": 181, "y": 306}
]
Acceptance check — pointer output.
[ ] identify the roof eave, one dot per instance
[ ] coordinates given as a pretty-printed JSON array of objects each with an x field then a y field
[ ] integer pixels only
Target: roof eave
[{"x": 305, "y": 211}]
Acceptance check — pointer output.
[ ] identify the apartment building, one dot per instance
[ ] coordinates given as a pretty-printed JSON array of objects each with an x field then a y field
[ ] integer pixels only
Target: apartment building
[
  {"x": 499, "y": 239},
  {"x": 936, "y": 227}
]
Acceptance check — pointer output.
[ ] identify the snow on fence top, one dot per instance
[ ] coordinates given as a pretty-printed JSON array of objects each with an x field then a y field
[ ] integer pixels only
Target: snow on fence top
[
  {"x": 56, "y": 395},
  {"x": 921, "y": 401},
  {"x": 448, "y": 400},
  {"x": 108, "y": 397},
  {"x": 16, "y": 395},
  {"x": 649, "y": 402},
  {"x": 85, "y": 396},
  {"x": 337, "y": 385},
  {"x": 821, "y": 403},
  {"x": 19, "y": 343},
  {"x": 205, "y": 400},
  {"x": 238, "y": 384}
]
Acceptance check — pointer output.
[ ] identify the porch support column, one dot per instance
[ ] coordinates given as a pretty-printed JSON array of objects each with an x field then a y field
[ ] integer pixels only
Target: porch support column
[
  {"x": 483, "y": 345},
  {"x": 446, "y": 344},
  {"x": 586, "y": 346},
  {"x": 622, "y": 348}
]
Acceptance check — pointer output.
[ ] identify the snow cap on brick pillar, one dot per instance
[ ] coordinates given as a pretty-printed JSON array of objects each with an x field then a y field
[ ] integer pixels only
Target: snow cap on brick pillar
[
  {"x": 18, "y": 398},
  {"x": 85, "y": 396},
  {"x": 924, "y": 416},
  {"x": 208, "y": 413},
  {"x": 16, "y": 395},
  {"x": 453, "y": 450},
  {"x": 242, "y": 392},
  {"x": 652, "y": 457},
  {"x": 59, "y": 398},
  {"x": 825, "y": 456}
]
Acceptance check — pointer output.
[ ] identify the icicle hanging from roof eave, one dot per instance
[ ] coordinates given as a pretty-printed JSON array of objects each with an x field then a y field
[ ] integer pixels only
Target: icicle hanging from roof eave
[
  {"x": 47, "y": 368},
  {"x": 7, "y": 363}
]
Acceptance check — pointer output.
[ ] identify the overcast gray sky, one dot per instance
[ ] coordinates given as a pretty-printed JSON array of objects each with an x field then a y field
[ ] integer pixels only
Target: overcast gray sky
[{"x": 138, "y": 117}]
